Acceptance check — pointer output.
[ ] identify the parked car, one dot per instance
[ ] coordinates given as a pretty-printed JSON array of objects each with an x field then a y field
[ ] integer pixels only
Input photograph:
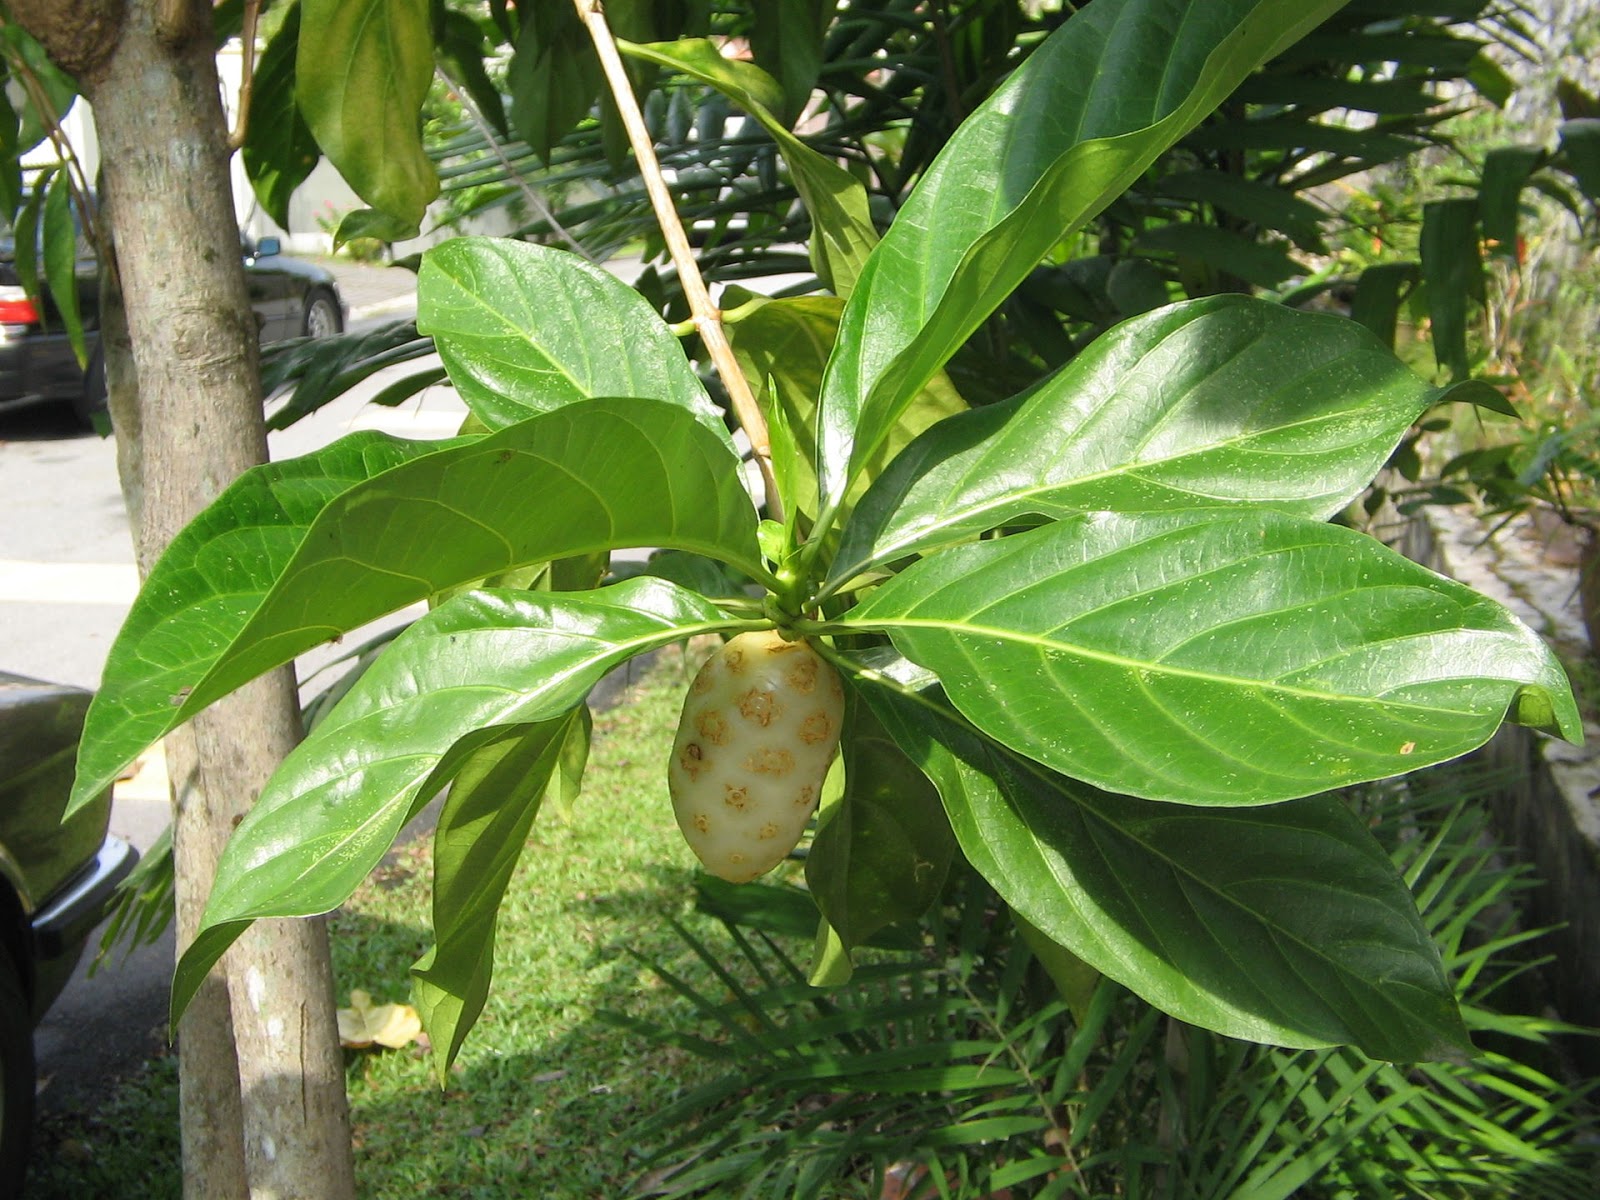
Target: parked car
[
  {"x": 291, "y": 298},
  {"x": 56, "y": 878}
]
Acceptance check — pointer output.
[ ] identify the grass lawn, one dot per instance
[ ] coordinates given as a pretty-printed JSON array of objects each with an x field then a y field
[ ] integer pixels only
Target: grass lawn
[{"x": 543, "y": 1096}]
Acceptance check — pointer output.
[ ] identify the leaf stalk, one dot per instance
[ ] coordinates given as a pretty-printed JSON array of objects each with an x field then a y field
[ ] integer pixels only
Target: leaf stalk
[{"x": 705, "y": 315}]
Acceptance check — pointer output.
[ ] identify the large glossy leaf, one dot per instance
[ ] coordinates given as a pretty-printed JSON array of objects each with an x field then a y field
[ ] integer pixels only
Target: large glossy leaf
[
  {"x": 883, "y": 850},
  {"x": 1285, "y": 924},
  {"x": 482, "y": 828},
  {"x": 1210, "y": 403},
  {"x": 523, "y": 329},
  {"x": 362, "y": 72},
  {"x": 1216, "y": 657},
  {"x": 420, "y": 714},
  {"x": 232, "y": 599},
  {"x": 843, "y": 234},
  {"x": 1069, "y": 131}
]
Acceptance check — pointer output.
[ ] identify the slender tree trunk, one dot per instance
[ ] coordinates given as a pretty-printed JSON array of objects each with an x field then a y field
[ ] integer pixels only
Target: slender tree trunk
[{"x": 263, "y": 1102}]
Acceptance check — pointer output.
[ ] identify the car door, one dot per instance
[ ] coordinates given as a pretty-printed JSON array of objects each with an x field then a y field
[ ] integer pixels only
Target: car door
[{"x": 271, "y": 289}]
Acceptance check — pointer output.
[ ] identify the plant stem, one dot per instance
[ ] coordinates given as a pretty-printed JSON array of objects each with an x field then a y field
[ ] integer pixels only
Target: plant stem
[
  {"x": 705, "y": 315},
  {"x": 241, "y": 125}
]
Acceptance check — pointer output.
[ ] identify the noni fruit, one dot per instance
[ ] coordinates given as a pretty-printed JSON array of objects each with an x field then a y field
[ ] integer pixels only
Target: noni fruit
[{"x": 759, "y": 727}]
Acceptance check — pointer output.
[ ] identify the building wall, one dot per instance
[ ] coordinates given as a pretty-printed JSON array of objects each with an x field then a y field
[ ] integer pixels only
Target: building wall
[{"x": 315, "y": 208}]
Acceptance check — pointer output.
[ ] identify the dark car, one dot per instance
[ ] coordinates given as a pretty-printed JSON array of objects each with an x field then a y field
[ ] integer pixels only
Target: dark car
[
  {"x": 55, "y": 880},
  {"x": 291, "y": 298}
]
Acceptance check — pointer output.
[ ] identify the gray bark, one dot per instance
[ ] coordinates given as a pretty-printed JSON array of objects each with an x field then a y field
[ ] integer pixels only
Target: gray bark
[{"x": 263, "y": 1103}]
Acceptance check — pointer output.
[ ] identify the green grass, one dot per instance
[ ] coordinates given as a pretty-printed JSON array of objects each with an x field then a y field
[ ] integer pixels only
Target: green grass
[
  {"x": 547, "y": 1099},
  {"x": 543, "y": 1095}
]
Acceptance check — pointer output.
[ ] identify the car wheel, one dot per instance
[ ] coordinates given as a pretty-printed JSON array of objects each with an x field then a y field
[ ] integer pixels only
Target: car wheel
[
  {"x": 90, "y": 402},
  {"x": 322, "y": 318},
  {"x": 16, "y": 1078}
]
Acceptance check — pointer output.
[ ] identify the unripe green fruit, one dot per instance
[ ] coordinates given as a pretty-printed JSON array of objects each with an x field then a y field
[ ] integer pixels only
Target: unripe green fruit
[{"x": 759, "y": 727}]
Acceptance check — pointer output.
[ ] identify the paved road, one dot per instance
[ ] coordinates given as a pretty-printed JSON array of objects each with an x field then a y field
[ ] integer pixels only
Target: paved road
[{"x": 66, "y": 579}]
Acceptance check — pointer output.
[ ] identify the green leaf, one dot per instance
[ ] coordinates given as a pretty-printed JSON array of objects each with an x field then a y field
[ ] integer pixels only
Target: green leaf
[
  {"x": 1077, "y": 123},
  {"x": 843, "y": 234},
  {"x": 554, "y": 77},
  {"x": 1262, "y": 204},
  {"x": 279, "y": 151},
  {"x": 61, "y": 261},
  {"x": 1317, "y": 93},
  {"x": 1505, "y": 173},
  {"x": 317, "y": 371},
  {"x": 1380, "y": 291},
  {"x": 1286, "y": 924},
  {"x": 786, "y": 39},
  {"x": 460, "y": 51},
  {"x": 1075, "y": 979},
  {"x": 25, "y": 240},
  {"x": 881, "y": 853},
  {"x": 246, "y": 587},
  {"x": 479, "y": 838},
  {"x": 524, "y": 329},
  {"x": 782, "y": 347},
  {"x": 373, "y": 223},
  {"x": 59, "y": 89},
  {"x": 1279, "y": 133},
  {"x": 1211, "y": 403},
  {"x": 566, "y": 781},
  {"x": 204, "y": 588},
  {"x": 1580, "y": 144},
  {"x": 1418, "y": 46},
  {"x": 1452, "y": 270},
  {"x": 1479, "y": 394},
  {"x": 444, "y": 689},
  {"x": 1215, "y": 657},
  {"x": 1135, "y": 286},
  {"x": 1264, "y": 264},
  {"x": 1490, "y": 80},
  {"x": 10, "y": 157},
  {"x": 361, "y": 74}
]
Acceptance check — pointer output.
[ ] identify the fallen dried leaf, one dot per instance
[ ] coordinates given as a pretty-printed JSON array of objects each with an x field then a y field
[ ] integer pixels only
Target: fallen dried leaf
[{"x": 366, "y": 1024}]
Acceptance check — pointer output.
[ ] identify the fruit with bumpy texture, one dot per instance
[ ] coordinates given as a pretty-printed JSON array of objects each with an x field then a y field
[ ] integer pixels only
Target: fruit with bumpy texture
[{"x": 759, "y": 727}]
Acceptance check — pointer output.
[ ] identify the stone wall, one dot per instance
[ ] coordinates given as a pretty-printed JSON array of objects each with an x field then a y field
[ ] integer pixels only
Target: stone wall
[{"x": 1552, "y": 812}]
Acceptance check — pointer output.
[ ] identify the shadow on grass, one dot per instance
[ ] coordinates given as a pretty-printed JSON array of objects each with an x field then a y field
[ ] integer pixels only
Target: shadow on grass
[
  {"x": 521, "y": 1115},
  {"x": 527, "y": 1114}
]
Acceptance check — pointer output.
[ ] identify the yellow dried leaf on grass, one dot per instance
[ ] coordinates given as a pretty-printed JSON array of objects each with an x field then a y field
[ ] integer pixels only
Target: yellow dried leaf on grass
[{"x": 366, "y": 1024}]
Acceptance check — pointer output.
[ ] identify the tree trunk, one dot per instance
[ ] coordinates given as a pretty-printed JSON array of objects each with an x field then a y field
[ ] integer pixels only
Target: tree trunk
[{"x": 191, "y": 425}]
